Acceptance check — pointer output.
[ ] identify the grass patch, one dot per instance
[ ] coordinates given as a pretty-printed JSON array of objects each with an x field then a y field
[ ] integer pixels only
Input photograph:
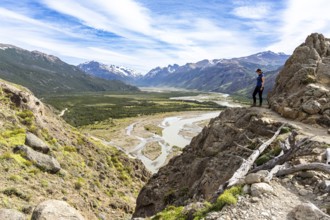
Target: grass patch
[
  {"x": 171, "y": 213},
  {"x": 13, "y": 137},
  {"x": 70, "y": 149},
  {"x": 153, "y": 129},
  {"x": 285, "y": 130},
  {"x": 16, "y": 178},
  {"x": 17, "y": 158},
  {"x": 44, "y": 183},
  {"x": 15, "y": 192},
  {"x": 268, "y": 155},
  {"x": 27, "y": 118},
  {"x": 79, "y": 183},
  {"x": 228, "y": 197}
]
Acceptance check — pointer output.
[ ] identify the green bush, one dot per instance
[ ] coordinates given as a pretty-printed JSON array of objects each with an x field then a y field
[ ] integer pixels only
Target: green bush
[
  {"x": 16, "y": 178},
  {"x": 15, "y": 192},
  {"x": 269, "y": 155},
  {"x": 26, "y": 117},
  {"x": 79, "y": 183},
  {"x": 70, "y": 149},
  {"x": 262, "y": 159},
  {"x": 285, "y": 130},
  {"x": 228, "y": 197},
  {"x": 171, "y": 213},
  {"x": 17, "y": 158},
  {"x": 153, "y": 129},
  {"x": 13, "y": 137}
]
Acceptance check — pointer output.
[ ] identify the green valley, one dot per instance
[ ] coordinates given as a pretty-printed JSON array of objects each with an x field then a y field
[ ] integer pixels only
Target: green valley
[{"x": 89, "y": 108}]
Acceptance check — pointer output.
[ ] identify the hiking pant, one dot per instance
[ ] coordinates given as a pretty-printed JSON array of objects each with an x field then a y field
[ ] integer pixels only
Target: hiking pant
[{"x": 257, "y": 90}]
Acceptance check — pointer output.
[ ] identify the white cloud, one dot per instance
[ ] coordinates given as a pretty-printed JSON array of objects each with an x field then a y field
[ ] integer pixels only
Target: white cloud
[
  {"x": 147, "y": 39},
  {"x": 258, "y": 11},
  {"x": 298, "y": 20}
]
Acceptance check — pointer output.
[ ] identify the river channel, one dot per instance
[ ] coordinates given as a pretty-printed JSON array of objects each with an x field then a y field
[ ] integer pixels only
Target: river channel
[
  {"x": 172, "y": 127},
  {"x": 177, "y": 130}
]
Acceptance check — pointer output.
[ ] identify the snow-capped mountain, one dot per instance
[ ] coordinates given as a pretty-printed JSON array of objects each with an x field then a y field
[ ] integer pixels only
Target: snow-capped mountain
[
  {"x": 112, "y": 72},
  {"x": 219, "y": 75}
]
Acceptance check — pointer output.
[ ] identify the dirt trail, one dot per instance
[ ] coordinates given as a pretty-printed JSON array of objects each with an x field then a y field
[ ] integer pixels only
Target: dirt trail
[{"x": 318, "y": 133}]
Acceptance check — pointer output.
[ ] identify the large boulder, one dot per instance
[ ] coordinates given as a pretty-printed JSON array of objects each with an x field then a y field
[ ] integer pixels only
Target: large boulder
[
  {"x": 36, "y": 143},
  {"x": 11, "y": 214},
  {"x": 302, "y": 88},
  {"x": 41, "y": 160},
  {"x": 257, "y": 189},
  {"x": 309, "y": 211},
  {"x": 256, "y": 177},
  {"x": 55, "y": 210}
]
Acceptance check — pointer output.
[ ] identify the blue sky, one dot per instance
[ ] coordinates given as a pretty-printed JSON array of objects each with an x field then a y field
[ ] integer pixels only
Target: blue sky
[{"x": 143, "y": 34}]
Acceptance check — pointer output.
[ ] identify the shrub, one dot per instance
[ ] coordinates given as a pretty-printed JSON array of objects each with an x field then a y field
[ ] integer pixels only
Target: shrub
[
  {"x": 285, "y": 130},
  {"x": 70, "y": 149},
  {"x": 44, "y": 183},
  {"x": 15, "y": 178},
  {"x": 79, "y": 183},
  {"x": 13, "y": 191},
  {"x": 26, "y": 117},
  {"x": 262, "y": 159},
  {"x": 153, "y": 129},
  {"x": 17, "y": 158},
  {"x": 13, "y": 137},
  {"x": 171, "y": 213},
  {"x": 228, "y": 197},
  {"x": 25, "y": 114},
  {"x": 269, "y": 155}
]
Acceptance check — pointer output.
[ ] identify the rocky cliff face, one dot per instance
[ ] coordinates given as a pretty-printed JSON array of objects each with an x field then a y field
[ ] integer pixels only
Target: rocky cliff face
[
  {"x": 302, "y": 89},
  {"x": 45, "y": 161},
  {"x": 210, "y": 160}
]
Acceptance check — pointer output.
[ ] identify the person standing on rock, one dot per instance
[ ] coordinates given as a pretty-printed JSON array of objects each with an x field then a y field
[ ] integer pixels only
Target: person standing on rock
[{"x": 259, "y": 88}]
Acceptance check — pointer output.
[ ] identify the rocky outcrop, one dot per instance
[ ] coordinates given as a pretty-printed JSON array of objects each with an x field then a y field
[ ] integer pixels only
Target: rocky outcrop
[
  {"x": 210, "y": 160},
  {"x": 55, "y": 210},
  {"x": 11, "y": 214},
  {"x": 309, "y": 211},
  {"x": 36, "y": 143},
  {"x": 302, "y": 89},
  {"x": 42, "y": 161}
]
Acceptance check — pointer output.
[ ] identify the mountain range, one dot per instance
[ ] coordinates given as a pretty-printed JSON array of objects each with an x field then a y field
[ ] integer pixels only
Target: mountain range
[
  {"x": 111, "y": 72},
  {"x": 47, "y": 74},
  {"x": 232, "y": 76}
]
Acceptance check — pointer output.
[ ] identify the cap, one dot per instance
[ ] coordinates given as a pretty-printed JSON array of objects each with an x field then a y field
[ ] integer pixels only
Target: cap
[{"x": 258, "y": 70}]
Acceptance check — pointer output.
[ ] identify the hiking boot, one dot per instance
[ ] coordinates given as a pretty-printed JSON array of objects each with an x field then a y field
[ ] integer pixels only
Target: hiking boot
[{"x": 253, "y": 105}]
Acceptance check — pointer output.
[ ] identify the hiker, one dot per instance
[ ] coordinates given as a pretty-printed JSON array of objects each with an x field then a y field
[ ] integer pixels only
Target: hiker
[{"x": 259, "y": 88}]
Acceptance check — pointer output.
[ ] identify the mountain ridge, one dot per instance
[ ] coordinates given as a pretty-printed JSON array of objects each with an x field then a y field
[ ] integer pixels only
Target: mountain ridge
[{"x": 46, "y": 74}]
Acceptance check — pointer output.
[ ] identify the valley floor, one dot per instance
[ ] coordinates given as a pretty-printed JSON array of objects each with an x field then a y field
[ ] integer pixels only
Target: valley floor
[{"x": 153, "y": 139}]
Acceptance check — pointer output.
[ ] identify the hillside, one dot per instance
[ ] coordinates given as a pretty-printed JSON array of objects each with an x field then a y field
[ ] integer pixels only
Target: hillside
[
  {"x": 47, "y": 74},
  {"x": 252, "y": 163},
  {"x": 232, "y": 76},
  {"x": 43, "y": 159}
]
